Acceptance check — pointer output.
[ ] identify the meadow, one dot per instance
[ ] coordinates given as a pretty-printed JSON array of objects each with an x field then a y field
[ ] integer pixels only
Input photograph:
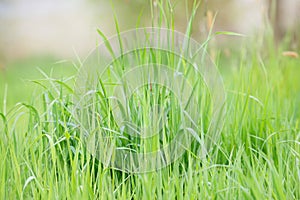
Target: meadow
[{"x": 44, "y": 155}]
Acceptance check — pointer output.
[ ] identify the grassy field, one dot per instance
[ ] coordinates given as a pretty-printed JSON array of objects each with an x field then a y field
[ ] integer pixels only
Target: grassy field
[{"x": 44, "y": 155}]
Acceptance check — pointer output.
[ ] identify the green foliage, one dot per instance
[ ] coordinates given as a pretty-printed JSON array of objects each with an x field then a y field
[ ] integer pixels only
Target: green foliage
[{"x": 44, "y": 156}]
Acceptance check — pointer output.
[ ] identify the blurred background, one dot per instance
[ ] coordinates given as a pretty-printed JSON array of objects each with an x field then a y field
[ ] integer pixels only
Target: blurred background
[
  {"x": 64, "y": 28},
  {"x": 56, "y": 33}
]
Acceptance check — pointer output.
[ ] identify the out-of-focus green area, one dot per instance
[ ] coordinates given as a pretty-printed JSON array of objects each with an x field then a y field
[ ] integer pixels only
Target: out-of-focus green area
[{"x": 18, "y": 81}]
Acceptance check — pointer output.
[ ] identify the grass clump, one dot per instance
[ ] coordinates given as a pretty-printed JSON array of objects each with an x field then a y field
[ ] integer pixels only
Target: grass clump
[{"x": 44, "y": 154}]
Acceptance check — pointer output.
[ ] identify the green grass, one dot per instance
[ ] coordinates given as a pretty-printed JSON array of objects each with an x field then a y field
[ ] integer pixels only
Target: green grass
[
  {"x": 19, "y": 74},
  {"x": 44, "y": 155}
]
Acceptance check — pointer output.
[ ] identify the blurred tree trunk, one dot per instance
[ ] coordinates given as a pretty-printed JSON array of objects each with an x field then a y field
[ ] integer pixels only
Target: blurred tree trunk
[
  {"x": 274, "y": 17},
  {"x": 278, "y": 18},
  {"x": 278, "y": 30}
]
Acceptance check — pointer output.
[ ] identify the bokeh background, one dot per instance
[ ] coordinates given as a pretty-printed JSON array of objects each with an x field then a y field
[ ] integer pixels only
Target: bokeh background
[{"x": 49, "y": 34}]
